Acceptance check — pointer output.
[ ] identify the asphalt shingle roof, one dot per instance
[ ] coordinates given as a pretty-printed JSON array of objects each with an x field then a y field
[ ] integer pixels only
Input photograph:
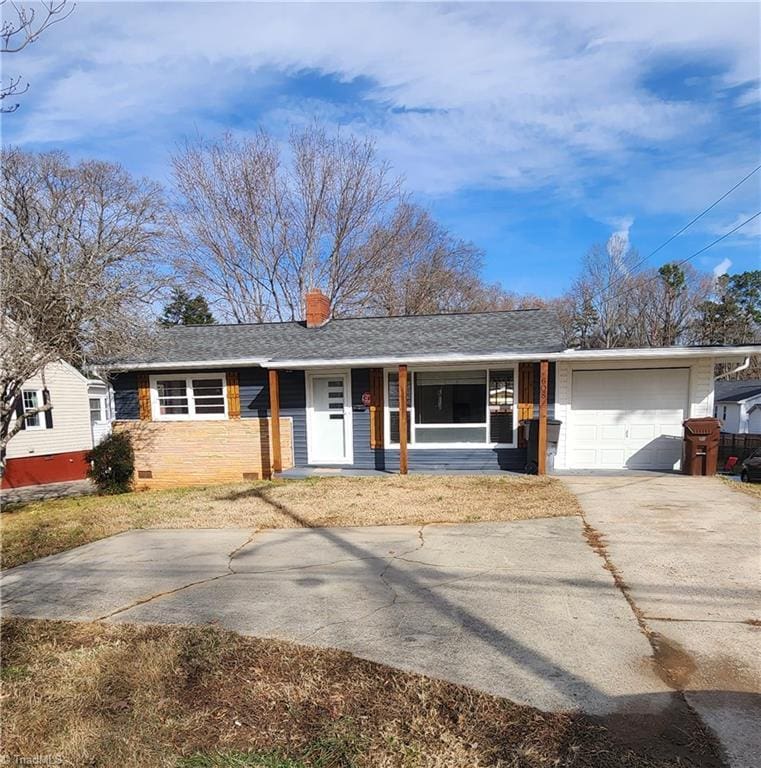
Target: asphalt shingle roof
[
  {"x": 529, "y": 330},
  {"x": 735, "y": 391}
]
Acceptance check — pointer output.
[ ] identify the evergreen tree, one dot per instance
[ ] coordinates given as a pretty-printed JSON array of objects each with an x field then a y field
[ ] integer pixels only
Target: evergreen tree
[{"x": 186, "y": 310}]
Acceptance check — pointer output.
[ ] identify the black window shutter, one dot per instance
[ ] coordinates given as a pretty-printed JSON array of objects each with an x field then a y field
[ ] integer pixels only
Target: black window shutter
[
  {"x": 19, "y": 407},
  {"x": 49, "y": 413}
]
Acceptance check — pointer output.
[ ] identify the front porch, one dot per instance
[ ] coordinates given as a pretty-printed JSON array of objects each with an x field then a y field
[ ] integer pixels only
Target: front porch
[{"x": 431, "y": 418}]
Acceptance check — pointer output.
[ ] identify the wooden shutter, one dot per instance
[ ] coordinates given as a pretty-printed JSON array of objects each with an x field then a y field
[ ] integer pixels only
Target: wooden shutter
[
  {"x": 19, "y": 408},
  {"x": 233, "y": 395},
  {"x": 376, "y": 407},
  {"x": 144, "y": 396},
  {"x": 525, "y": 396},
  {"x": 48, "y": 413}
]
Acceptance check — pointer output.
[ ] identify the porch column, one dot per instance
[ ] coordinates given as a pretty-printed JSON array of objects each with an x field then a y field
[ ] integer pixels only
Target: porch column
[
  {"x": 274, "y": 388},
  {"x": 544, "y": 369},
  {"x": 402, "y": 419}
]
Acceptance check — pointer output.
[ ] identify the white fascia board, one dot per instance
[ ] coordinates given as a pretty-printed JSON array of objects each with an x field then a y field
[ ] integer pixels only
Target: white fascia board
[
  {"x": 646, "y": 353},
  {"x": 190, "y": 364}
]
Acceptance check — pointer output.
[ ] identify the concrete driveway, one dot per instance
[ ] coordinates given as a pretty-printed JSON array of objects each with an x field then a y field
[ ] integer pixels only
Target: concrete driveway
[
  {"x": 523, "y": 610},
  {"x": 687, "y": 552},
  {"x": 527, "y": 610}
]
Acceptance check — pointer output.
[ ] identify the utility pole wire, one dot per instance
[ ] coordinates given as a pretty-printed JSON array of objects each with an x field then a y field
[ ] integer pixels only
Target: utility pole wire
[
  {"x": 691, "y": 256},
  {"x": 676, "y": 234}
]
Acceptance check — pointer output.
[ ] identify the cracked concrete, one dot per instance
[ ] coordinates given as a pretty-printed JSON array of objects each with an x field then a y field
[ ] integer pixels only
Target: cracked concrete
[
  {"x": 526, "y": 610},
  {"x": 688, "y": 551},
  {"x": 523, "y": 610}
]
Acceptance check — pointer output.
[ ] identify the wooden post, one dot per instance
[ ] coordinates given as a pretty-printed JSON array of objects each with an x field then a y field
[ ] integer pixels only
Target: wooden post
[
  {"x": 544, "y": 368},
  {"x": 402, "y": 419},
  {"x": 274, "y": 387}
]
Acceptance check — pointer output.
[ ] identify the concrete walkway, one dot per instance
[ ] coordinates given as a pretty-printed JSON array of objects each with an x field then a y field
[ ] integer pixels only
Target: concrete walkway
[
  {"x": 29, "y": 493},
  {"x": 688, "y": 553},
  {"x": 524, "y": 610}
]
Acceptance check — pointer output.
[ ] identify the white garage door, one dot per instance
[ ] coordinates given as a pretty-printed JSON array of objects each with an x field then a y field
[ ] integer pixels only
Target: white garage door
[{"x": 627, "y": 418}]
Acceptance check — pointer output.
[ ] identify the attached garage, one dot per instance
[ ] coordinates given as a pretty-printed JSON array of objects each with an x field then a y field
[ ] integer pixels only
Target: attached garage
[{"x": 627, "y": 418}]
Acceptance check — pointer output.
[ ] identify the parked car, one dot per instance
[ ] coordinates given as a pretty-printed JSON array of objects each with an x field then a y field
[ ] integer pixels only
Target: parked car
[{"x": 751, "y": 468}]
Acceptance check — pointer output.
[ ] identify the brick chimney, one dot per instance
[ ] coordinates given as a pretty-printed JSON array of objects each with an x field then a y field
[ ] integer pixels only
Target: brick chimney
[{"x": 317, "y": 308}]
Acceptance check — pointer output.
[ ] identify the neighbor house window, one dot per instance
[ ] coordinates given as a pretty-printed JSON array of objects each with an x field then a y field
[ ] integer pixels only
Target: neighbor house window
[
  {"x": 98, "y": 409},
  {"x": 194, "y": 396},
  {"x": 32, "y": 398},
  {"x": 449, "y": 407}
]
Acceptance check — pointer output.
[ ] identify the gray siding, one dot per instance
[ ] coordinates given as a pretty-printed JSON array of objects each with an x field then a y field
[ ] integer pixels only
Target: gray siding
[
  {"x": 465, "y": 459},
  {"x": 254, "y": 403},
  {"x": 126, "y": 405},
  {"x": 254, "y": 399}
]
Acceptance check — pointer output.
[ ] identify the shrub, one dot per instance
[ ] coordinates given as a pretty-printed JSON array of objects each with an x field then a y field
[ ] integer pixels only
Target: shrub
[{"x": 112, "y": 463}]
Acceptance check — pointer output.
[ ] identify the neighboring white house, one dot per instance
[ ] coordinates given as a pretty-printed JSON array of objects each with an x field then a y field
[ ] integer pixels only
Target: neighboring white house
[
  {"x": 737, "y": 404},
  {"x": 52, "y": 446}
]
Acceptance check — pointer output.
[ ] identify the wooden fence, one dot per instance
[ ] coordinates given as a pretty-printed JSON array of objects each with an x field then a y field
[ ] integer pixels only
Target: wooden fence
[{"x": 737, "y": 445}]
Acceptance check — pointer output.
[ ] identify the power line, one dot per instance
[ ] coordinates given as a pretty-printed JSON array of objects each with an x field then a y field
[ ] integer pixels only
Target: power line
[
  {"x": 691, "y": 256},
  {"x": 676, "y": 234}
]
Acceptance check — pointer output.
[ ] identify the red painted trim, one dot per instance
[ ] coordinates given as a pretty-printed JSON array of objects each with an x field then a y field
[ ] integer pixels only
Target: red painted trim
[{"x": 37, "y": 470}]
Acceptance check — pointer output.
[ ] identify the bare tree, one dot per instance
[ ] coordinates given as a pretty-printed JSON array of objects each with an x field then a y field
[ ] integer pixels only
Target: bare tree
[
  {"x": 601, "y": 297},
  {"x": 664, "y": 305},
  {"x": 616, "y": 303},
  {"x": 256, "y": 226},
  {"x": 77, "y": 267},
  {"x": 21, "y": 26}
]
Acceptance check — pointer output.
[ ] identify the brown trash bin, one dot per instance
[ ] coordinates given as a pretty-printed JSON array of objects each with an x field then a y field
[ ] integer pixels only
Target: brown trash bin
[{"x": 700, "y": 454}]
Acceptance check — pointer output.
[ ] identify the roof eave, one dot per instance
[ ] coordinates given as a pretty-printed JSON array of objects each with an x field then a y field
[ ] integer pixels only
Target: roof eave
[
  {"x": 579, "y": 355},
  {"x": 181, "y": 364}
]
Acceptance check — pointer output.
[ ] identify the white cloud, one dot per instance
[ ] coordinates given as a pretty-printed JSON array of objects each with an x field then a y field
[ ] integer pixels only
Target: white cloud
[
  {"x": 516, "y": 96},
  {"x": 621, "y": 235},
  {"x": 722, "y": 267}
]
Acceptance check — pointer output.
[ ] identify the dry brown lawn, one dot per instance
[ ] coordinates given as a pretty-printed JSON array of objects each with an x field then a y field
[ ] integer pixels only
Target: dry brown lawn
[
  {"x": 177, "y": 697},
  {"x": 46, "y": 527},
  {"x": 751, "y": 489}
]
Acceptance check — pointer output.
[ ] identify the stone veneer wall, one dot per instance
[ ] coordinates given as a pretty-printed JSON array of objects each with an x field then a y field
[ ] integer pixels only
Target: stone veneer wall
[{"x": 176, "y": 453}]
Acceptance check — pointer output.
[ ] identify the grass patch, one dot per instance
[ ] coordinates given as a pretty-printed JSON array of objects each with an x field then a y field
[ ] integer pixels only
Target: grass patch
[
  {"x": 750, "y": 489},
  {"x": 199, "y": 697},
  {"x": 46, "y": 527}
]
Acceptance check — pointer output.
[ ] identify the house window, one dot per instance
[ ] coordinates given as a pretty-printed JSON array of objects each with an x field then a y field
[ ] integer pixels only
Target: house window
[
  {"x": 455, "y": 407},
  {"x": 193, "y": 396},
  {"x": 501, "y": 404},
  {"x": 32, "y": 398},
  {"x": 393, "y": 408},
  {"x": 98, "y": 409},
  {"x": 450, "y": 406}
]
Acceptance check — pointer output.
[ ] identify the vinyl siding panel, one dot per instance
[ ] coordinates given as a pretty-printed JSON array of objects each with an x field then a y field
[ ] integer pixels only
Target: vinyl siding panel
[
  {"x": 126, "y": 404},
  {"x": 71, "y": 416},
  {"x": 458, "y": 459},
  {"x": 254, "y": 403}
]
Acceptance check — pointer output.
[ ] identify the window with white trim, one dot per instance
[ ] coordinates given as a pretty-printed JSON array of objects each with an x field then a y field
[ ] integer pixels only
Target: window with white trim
[
  {"x": 31, "y": 399},
  {"x": 99, "y": 409},
  {"x": 455, "y": 407},
  {"x": 189, "y": 396}
]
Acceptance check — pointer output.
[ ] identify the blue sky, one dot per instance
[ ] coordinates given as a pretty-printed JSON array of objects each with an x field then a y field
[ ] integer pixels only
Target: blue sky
[{"x": 534, "y": 130}]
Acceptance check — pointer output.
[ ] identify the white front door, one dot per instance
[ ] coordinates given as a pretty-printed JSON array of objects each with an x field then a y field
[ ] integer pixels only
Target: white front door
[
  {"x": 330, "y": 419},
  {"x": 627, "y": 418}
]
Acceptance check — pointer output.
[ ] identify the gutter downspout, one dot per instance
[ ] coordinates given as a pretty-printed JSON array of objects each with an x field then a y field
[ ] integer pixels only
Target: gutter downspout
[{"x": 742, "y": 367}]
